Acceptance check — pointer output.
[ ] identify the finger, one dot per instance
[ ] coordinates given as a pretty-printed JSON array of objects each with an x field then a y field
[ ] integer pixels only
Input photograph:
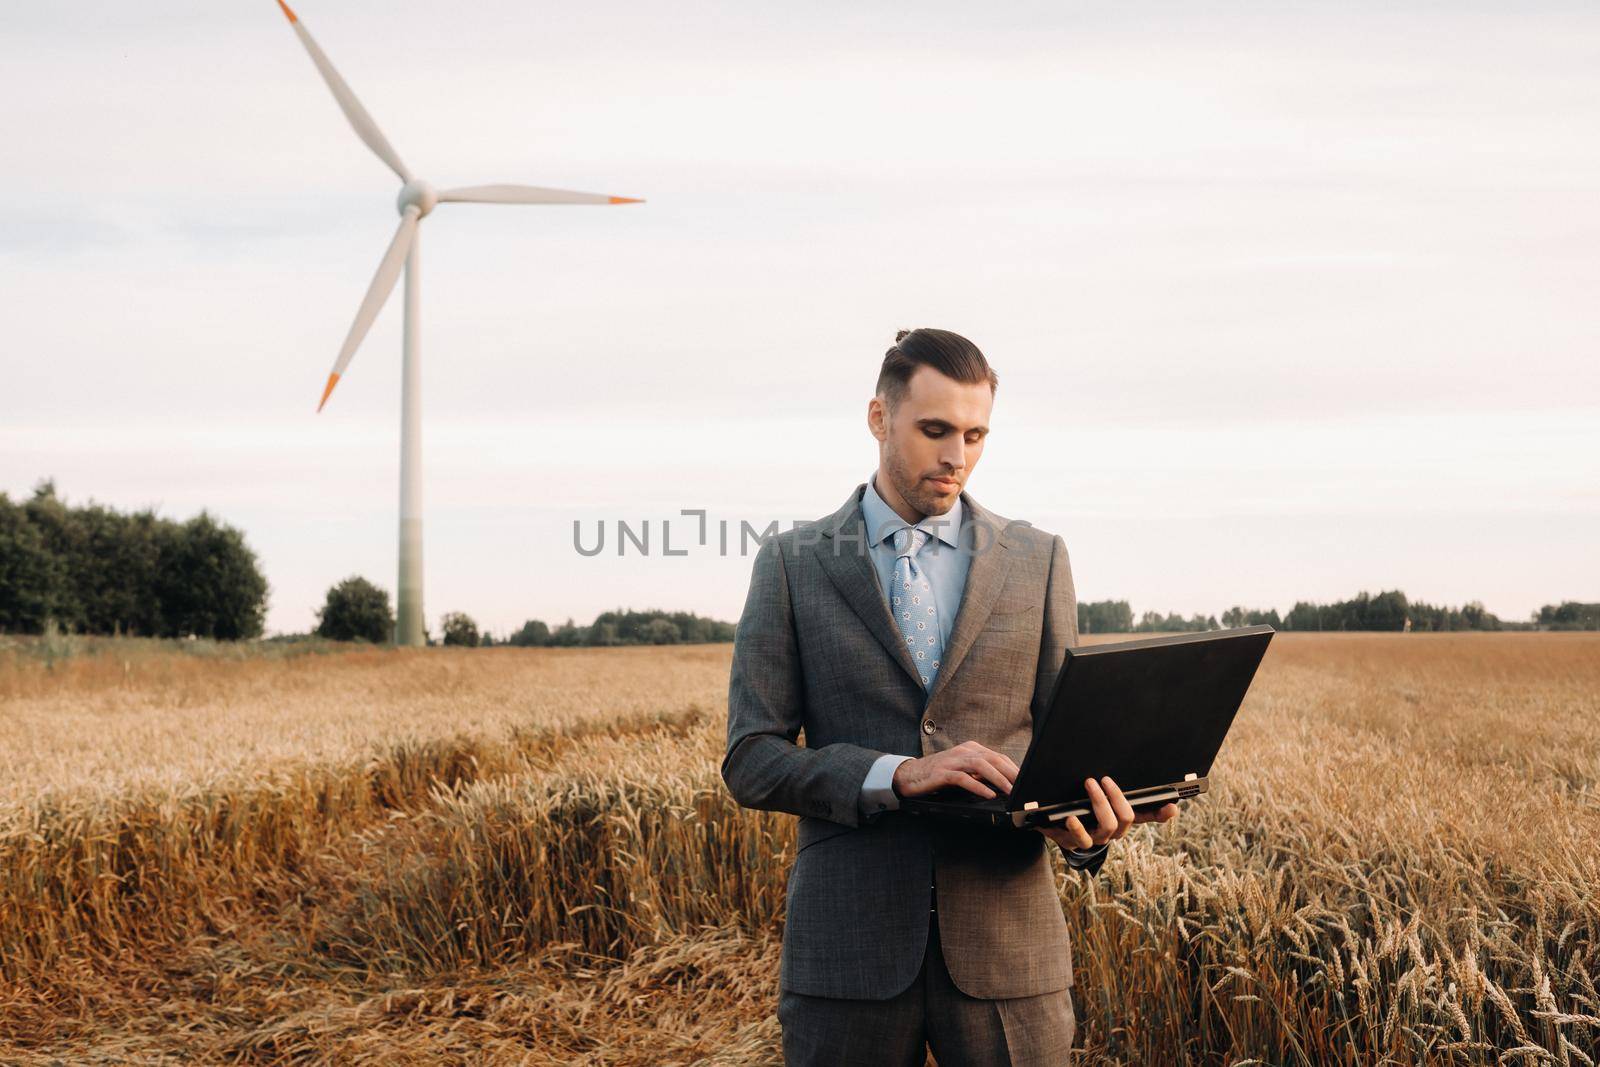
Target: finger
[
  {"x": 1059, "y": 838},
  {"x": 1006, "y": 763},
  {"x": 990, "y": 769},
  {"x": 1165, "y": 813},
  {"x": 1119, "y": 804},
  {"x": 1079, "y": 836},
  {"x": 1105, "y": 819},
  {"x": 999, "y": 759},
  {"x": 967, "y": 782}
]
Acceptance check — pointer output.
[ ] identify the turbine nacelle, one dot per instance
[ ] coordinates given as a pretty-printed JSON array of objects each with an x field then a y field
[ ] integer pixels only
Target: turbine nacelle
[{"x": 419, "y": 194}]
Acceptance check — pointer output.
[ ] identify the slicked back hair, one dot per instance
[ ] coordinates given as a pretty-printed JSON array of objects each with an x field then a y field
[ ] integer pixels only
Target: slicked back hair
[{"x": 948, "y": 353}]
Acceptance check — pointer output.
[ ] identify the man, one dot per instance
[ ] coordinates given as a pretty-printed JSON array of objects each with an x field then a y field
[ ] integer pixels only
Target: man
[{"x": 913, "y": 636}]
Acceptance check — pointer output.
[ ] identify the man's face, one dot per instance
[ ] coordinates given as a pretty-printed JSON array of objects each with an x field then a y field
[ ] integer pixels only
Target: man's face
[{"x": 931, "y": 441}]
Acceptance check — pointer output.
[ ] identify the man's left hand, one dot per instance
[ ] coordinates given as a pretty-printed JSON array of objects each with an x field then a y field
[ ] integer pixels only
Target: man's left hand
[{"x": 1113, "y": 816}]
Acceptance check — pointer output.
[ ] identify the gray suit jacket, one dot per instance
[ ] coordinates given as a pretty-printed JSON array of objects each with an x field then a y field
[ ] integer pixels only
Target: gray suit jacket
[{"x": 816, "y": 650}]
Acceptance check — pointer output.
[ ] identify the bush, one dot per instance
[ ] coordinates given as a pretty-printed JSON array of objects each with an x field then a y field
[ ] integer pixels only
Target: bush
[
  {"x": 356, "y": 610},
  {"x": 459, "y": 629}
]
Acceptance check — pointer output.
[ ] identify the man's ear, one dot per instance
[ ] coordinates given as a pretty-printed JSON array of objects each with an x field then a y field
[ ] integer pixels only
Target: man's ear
[{"x": 878, "y": 418}]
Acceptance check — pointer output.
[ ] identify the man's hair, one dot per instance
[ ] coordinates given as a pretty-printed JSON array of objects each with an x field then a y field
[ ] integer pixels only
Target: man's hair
[{"x": 948, "y": 353}]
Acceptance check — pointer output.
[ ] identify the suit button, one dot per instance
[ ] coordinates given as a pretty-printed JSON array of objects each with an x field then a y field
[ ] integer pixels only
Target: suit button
[{"x": 929, "y": 726}]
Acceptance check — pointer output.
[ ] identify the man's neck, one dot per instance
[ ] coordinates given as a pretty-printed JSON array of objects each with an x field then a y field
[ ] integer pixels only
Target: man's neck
[{"x": 885, "y": 489}]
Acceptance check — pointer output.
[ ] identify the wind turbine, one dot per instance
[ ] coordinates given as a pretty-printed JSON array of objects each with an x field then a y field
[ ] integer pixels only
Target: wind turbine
[{"x": 417, "y": 199}]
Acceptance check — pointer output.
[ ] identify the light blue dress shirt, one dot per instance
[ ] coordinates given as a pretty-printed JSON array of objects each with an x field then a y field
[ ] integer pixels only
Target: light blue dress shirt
[
  {"x": 945, "y": 561},
  {"x": 942, "y": 561}
]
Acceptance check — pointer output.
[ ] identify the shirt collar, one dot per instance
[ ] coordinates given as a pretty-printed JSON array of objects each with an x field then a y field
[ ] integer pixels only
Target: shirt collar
[{"x": 882, "y": 521}]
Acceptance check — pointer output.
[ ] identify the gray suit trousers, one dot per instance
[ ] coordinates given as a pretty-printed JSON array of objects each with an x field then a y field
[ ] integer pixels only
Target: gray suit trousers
[{"x": 932, "y": 1012}]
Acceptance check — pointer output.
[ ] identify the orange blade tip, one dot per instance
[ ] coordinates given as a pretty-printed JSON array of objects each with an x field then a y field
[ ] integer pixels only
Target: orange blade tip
[
  {"x": 333, "y": 380},
  {"x": 286, "y": 11},
  {"x": 625, "y": 200}
]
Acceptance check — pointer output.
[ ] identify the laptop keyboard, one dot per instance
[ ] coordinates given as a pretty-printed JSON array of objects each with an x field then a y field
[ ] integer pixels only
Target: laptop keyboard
[{"x": 954, "y": 794}]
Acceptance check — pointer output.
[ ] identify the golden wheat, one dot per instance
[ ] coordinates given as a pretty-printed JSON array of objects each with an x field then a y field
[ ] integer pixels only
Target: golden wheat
[{"x": 527, "y": 856}]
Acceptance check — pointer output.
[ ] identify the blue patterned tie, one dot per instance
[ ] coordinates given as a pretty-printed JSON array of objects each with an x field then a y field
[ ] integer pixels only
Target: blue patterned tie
[{"x": 914, "y": 609}]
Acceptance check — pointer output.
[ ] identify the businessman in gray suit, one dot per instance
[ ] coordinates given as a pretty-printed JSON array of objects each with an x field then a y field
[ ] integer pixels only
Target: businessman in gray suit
[{"x": 913, "y": 636}]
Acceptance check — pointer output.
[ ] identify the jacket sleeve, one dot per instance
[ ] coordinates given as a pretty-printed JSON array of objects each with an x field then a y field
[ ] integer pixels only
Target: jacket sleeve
[
  {"x": 763, "y": 767},
  {"x": 1086, "y": 859}
]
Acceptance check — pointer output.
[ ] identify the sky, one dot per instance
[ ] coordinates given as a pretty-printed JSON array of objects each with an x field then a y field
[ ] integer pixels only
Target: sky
[{"x": 1287, "y": 301}]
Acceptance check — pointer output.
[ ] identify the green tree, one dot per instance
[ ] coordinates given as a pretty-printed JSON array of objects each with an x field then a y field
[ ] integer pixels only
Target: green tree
[
  {"x": 94, "y": 570},
  {"x": 1105, "y": 617},
  {"x": 32, "y": 579},
  {"x": 208, "y": 582},
  {"x": 532, "y": 635},
  {"x": 61, "y": 534},
  {"x": 115, "y": 577},
  {"x": 1386, "y": 611},
  {"x": 1304, "y": 616},
  {"x": 568, "y": 635},
  {"x": 356, "y": 610},
  {"x": 663, "y": 631},
  {"x": 459, "y": 629},
  {"x": 1569, "y": 615},
  {"x": 626, "y": 627},
  {"x": 1237, "y": 616}
]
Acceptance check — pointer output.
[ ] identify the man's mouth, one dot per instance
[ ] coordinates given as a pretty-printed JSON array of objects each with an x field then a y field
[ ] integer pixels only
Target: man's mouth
[{"x": 945, "y": 485}]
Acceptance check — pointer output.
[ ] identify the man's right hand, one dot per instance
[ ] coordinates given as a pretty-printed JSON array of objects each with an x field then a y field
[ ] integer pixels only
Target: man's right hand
[{"x": 968, "y": 766}]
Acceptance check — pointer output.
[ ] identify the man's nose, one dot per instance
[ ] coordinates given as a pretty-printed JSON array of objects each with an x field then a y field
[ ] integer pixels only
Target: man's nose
[{"x": 954, "y": 456}]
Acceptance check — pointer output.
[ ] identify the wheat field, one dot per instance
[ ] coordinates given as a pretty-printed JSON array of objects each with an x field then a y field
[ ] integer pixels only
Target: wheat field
[{"x": 268, "y": 854}]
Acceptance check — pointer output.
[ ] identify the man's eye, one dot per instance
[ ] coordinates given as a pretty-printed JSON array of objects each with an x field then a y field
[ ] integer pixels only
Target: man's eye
[{"x": 934, "y": 433}]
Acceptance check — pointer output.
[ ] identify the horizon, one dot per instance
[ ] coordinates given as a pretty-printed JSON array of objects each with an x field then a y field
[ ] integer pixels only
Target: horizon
[{"x": 627, "y": 536}]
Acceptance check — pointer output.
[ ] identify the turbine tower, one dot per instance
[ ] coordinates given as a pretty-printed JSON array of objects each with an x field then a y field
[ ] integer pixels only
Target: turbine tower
[{"x": 417, "y": 199}]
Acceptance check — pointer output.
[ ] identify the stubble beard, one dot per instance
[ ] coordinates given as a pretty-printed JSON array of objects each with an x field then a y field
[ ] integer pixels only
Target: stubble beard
[{"x": 910, "y": 486}]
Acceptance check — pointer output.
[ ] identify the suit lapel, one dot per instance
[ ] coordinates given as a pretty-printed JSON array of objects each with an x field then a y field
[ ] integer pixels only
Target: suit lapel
[
  {"x": 845, "y": 557},
  {"x": 986, "y": 576},
  {"x": 846, "y": 560}
]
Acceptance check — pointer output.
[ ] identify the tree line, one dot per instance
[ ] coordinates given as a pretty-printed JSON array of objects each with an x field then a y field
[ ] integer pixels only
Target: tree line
[
  {"x": 356, "y": 609},
  {"x": 1568, "y": 615},
  {"x": 95, "y": 570},
  {"x": 1389, "y": 610},
  {"x": 1116, "y": 617}
]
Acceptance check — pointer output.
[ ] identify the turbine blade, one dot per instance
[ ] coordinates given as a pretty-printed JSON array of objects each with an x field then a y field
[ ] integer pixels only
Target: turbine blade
[
  {"x": 527, "y": 194},
  {"x": 382, "y": 284},
  {"x": 365, "y": 128}
]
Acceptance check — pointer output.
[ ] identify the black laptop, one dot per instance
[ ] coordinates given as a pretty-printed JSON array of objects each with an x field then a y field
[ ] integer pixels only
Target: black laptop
[{"x": 1150, "y": 713}]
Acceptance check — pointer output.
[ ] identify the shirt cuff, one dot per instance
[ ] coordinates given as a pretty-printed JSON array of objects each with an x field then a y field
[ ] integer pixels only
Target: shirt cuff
[
  {"x": 1082, "y": 857},
  {"x": 877, "y": 791}
]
